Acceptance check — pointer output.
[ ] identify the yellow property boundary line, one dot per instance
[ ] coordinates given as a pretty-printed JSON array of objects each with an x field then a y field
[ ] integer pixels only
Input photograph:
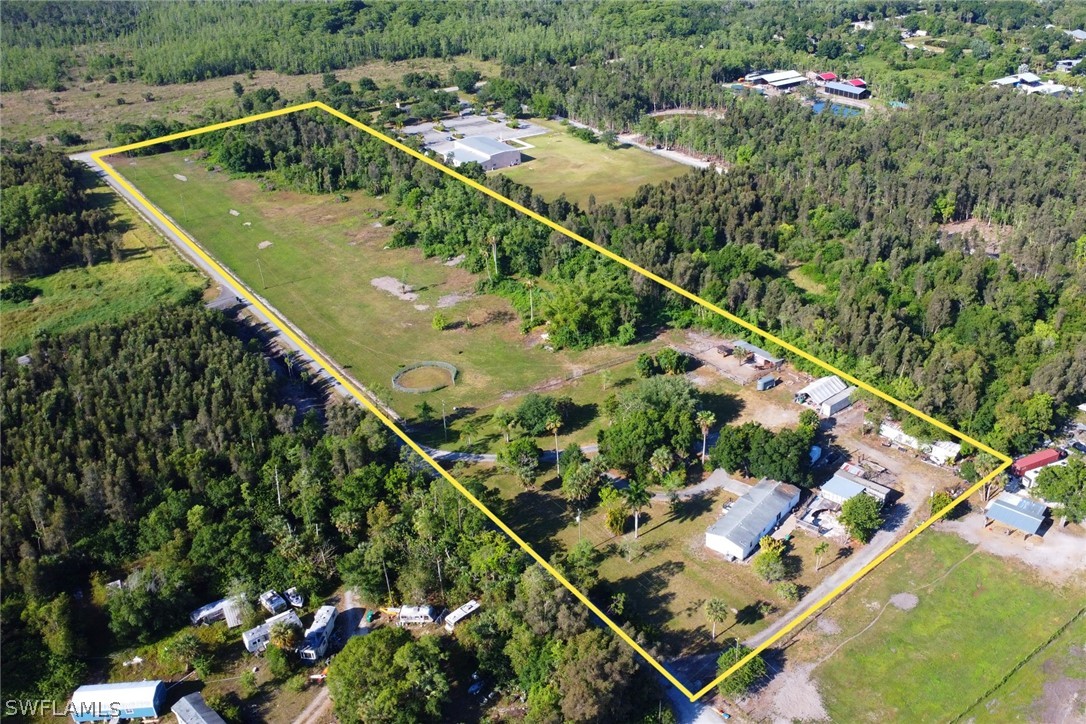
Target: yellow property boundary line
[{"x": 331, "y": 369}]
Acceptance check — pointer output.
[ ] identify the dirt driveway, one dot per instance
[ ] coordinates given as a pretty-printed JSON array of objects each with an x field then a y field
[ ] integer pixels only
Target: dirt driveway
[{"x": 1056, "y": 556}]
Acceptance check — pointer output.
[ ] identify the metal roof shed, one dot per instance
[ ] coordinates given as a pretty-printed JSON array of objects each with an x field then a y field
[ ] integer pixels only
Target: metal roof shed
[
  {"x": 1017, "y": 512},
  {"x": 128, "y": 700},
  {"x": 192, "y": 709},
  {"x": 846, "y": 90},
  {"x": 759, "y": 354}
]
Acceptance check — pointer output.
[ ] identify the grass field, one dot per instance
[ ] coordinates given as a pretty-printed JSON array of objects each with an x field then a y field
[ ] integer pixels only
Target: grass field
[
  {"x": 1050, "y": 687},
  {"x": 91, "y": 108},
  {"x": 976, "y": 616},
  {"x": 561, "y": 164},
  {"x": 319, "y": 271},
  {"x": 149, "y": 274}
]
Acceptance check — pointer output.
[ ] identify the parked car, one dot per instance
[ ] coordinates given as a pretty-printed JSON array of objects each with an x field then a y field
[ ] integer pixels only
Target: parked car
[{"x": 476, "y": 688}]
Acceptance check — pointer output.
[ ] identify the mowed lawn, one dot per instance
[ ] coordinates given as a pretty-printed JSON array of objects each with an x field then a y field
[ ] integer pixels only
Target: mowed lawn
[
  {"x": 149, "y": 274},
  {"x": 976, "y": 617},
  {"x": 317, "y": 271},
  {"x": 561, "y": 164}
]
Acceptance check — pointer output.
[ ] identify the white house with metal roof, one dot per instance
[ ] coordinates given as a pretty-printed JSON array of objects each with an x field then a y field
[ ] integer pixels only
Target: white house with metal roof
[
  {"x": 111, "y": 702},
  {"x": 1016, "y": 512},
  {"x": 755, "y": 514}
]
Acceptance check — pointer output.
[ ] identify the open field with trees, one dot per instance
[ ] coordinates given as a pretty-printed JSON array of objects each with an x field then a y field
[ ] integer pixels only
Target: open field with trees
[
  {"x": 76, "y": 255},
  {"x": 880, "y": 651},
  {"x": 563, "y": 164},
  {"x": 84, "y": 114},
  {"x": 318, "y": 269}
]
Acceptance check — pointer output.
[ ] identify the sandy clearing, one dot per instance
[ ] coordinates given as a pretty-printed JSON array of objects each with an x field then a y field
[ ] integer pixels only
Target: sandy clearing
[
  {"x": 180, "y": 177},
  {"x": 263, "y": 245},
  {"x": 450, "y": 300},
  {"x": 395, "y": 287},
  {"x": 791, "y": 696},
  {"x": 1056, "y": 556},
  {"x": 828, "y": 626},
  {"x": 905, "y": 601}
]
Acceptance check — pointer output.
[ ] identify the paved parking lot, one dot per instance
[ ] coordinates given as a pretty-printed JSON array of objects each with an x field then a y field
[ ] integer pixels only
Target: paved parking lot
[{"x": 475, "y": 125}]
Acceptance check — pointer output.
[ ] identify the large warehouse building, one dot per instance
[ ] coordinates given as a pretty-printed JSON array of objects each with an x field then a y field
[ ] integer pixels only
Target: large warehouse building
[{"x": 486, "y": 152}]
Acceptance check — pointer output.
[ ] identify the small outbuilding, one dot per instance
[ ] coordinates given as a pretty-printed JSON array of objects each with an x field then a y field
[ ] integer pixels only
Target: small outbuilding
[
  {"x": 754, "y": 515},
  {"x": 827, "y": 395},
  {"x": 228, "y": 609},
  {"x": 192, "y": 709},
  {"x": 1035, "y": 460},
  {"x": 756, "y": 355},
  {"x": 847, "y": 90},
  {"x": 272, "y": 602},
  {"x": 110, "y": 702},
  {"x": 845, "y": 485},
  {"x": 1014, "y": 512}
]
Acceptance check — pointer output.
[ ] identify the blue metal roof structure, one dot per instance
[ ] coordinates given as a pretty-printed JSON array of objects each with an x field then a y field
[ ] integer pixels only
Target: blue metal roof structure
[{"x": 1017, "y": 512}]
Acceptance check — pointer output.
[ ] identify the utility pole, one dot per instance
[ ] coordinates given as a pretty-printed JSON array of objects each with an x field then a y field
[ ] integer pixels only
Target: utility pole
[
  {"x": 263, "y": 283},
  {"x": 444, "y": 426}
]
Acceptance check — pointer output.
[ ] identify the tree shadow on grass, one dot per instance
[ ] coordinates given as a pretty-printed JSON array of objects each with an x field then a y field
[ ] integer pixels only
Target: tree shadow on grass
[
  {"x": 647, "y": 594},
  {"x": 537, "y": 519},
  {"x": 695, "y": 506},
  {"x": 726, "y": 407},
  {"x": 579, "y": 417}
]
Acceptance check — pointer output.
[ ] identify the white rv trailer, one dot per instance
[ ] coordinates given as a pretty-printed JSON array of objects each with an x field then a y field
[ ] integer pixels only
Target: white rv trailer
[
  {"x": 318, "y": 634},
  {"x": 460, "y": 614},
  {"x": 256, "y": 639},
  {"x": 417, "y": 615}
]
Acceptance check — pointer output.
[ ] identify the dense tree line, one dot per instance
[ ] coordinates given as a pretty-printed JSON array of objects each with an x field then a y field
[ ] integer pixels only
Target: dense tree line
[
  {"x": 991, "y": 345},
  {"x": 46, "y": 219},
  {"x": 161, "y": 454}
]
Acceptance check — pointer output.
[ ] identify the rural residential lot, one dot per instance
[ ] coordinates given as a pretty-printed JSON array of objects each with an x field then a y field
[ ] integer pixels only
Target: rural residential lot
[{"x": 543, "y": 362}]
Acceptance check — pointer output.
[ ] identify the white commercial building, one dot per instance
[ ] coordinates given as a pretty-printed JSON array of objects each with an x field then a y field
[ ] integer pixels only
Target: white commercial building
[{"x": 487, "y": 152}]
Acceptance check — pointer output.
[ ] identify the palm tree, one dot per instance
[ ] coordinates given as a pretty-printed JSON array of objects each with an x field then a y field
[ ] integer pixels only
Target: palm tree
[
  {"x": 637, "y": 497},
  {"x": 554, "y": 424},
  {"x": 705, "y": 420},
  {"x": 820, "y": 550},
  {"x": 661, "y": 461},
  {"x": 505, "y": 420},
  {"x": 716, "y": 610}
]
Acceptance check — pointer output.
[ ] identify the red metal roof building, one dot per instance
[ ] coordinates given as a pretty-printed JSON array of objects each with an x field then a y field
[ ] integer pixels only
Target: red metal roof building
[
  {"x": 826, "y": 76},
  {"x": 1035, "y": 460},
  {"x": 858, "y": 82}
]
